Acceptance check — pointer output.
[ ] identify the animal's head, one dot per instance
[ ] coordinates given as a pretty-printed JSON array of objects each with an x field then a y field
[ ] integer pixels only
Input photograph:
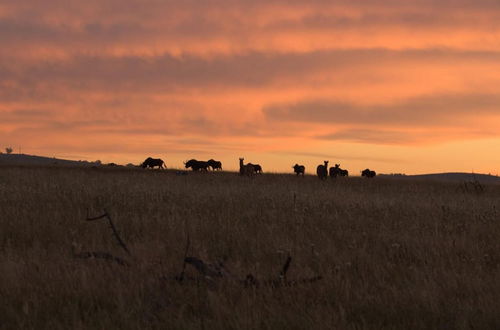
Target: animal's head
[
  {"x": 337, "y": 165},
  {"x": 242, "y": 159},
  {"x": 326, "y": 163}
]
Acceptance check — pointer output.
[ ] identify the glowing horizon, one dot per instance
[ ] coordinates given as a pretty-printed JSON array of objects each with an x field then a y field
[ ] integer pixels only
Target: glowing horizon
[{"x": 397, "y": 87}]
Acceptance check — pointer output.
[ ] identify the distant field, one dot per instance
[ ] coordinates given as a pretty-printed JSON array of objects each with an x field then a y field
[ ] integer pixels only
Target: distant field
[{"x": 391, "y": 253}]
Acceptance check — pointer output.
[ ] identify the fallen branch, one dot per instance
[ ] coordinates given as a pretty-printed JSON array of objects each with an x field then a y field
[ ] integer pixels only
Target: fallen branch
[
  {"x": 180, "y": 278},
  {"x": 115, "y": 231},
  {"x": 218, "y": 271},
  {"x": 251, "y": 281},
  {"x": 96, "y": 218},
  {"x": 292, "y": 283},
  {"x": 101, "y": 255},
  {"x": 285, "y": 268},
  {"x": 209, "y": 270}
]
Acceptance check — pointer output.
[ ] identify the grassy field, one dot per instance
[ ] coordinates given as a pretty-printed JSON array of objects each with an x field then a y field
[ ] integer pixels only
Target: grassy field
[{"x": 391, "y": 253}]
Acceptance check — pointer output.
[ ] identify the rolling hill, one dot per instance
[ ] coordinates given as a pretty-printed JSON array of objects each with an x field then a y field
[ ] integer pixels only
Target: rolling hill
[
  {"x": 27, "y": 160},
  {"x": 450, "y": 176},
  {"x": 33, "y": 160}
]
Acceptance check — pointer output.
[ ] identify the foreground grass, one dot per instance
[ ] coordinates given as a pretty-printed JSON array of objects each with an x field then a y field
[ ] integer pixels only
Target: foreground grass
[{"x": 392, "y": 254}]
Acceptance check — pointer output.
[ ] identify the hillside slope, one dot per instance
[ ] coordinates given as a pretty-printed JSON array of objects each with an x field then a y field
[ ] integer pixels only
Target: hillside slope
[
  {"x": 450, "y": 177},
  {"x": 22, "y": 159}
]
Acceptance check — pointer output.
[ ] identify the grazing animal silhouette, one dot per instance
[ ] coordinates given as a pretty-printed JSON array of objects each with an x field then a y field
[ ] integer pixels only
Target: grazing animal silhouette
[
  {"x": 246, "y": 169},
  {"x": 337, "y": 171},
  {"x": 257, "y": 168},
  {"x": 322, "y": 171},
  {"x": 215, "y": 165},
  {"x": 153, "y": 162},
  {"x": 197, "y": 165},
  {"x": 334, "y": 171},
  {"x": 368, "y": 174},
  {"x": 299, "y": 169}
]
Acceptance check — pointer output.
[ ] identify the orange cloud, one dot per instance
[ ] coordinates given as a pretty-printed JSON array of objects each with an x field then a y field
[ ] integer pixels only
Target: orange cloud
[{"x": 123, "y": 79}]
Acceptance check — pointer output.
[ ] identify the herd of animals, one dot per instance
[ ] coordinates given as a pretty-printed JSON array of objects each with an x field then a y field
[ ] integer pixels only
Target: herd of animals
[{"x": 248, "y": 169}]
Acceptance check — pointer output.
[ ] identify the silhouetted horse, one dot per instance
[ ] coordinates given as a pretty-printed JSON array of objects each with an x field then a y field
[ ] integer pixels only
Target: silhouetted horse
[
  {"x": 215, "y": 165},
  {"x": 368, "y": 174},
  {"x": 322, "y": 171},
  {"x": 299, "y": 169},
  {"x": 197, "y": 165},
  {"x": 153, "y": 162}
]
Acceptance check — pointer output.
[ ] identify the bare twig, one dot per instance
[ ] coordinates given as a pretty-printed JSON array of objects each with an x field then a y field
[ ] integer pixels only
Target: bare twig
[
  {"x": 218, "y": 271},
  {"x": 117, "y": 236},
  {"x": 101, "y": 255},
  {"x": 113, "y": 228},
  {"x": 180, "y": 278},
  {"x": 285, "y": 268},
  {"x": 95, "y": 218},
  {"x": 205, "y": 269},
  {"x": 251, "y": 281}
]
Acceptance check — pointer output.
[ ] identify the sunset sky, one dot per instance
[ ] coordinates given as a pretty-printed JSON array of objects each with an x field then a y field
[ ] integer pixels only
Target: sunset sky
[{"x": 397, "y": 86}]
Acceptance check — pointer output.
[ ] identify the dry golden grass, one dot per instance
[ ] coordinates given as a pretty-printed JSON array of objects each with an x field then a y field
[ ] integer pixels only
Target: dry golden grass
[{"x": 392, "y": 253}]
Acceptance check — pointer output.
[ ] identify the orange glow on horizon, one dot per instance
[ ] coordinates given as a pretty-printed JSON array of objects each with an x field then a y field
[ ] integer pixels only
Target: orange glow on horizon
[{"x": 398, "y": 87}]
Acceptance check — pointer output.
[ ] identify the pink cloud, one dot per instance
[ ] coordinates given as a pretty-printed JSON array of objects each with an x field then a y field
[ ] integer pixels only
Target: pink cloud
[{"x": 242, "y": 75}]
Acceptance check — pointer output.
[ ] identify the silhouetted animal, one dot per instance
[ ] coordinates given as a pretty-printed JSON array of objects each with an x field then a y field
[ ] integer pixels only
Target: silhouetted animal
[
  {"x": 197, "y": 165},
  {"x": 246, "y": 169},
  {"x": 215, "y": 165},
  {"x": 153, "y": 162},
  {"x": 299, "y": 169},
  {"x": 337, "y": 171},
  {"x": 322, "y": 171},
  {"x": 334, "y": 171},
  {"x": 369, "y": 174},
  {"x": 256, "y": 167},
  {"x": 242, "y": 166}
]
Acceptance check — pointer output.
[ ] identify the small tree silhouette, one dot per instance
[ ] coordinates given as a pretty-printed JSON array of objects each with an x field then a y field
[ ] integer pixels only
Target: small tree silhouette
[{"x": 9, "y": 150}]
